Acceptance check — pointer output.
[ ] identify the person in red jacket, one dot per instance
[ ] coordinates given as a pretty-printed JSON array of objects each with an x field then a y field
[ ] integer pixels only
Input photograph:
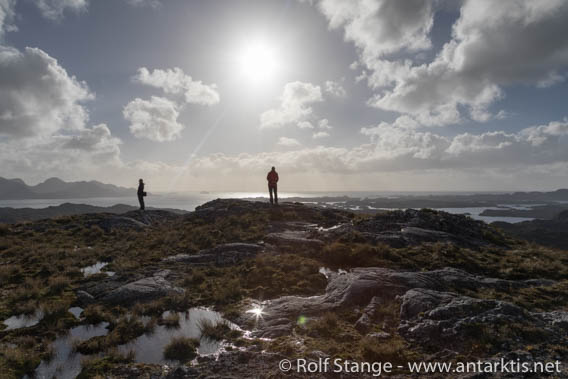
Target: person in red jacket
[{"x": 272, "y": 178}]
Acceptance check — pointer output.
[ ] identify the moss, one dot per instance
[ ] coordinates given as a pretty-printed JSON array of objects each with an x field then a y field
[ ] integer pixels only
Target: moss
[
  {"x": 121, "y": 331},
  {"x": 94, "y": 367},
  {"x": 19, "y": 361}
]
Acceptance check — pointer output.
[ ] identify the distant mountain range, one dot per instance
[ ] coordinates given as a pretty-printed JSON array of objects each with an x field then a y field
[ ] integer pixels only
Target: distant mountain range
[
  {"x": 13, "y": 215},
  {"x": 55, "y": 188}
]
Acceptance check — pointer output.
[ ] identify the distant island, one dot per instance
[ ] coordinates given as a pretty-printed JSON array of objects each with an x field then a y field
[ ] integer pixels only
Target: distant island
[{"x": 55, "y": 188}]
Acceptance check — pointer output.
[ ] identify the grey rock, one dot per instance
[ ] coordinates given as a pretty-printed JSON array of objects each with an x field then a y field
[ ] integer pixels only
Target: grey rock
[
  {"x": 84, "y": 298},
  {"x": 221, "y": 255},
  {"x": 363, "y": 324},
  {"x": 379, "y": 335},
  {"x": 362, "y": 286},
  {"x": 442, "y": 319},
  {"x": 144, "y": 289},
  {"x": 294, "y": 239}
]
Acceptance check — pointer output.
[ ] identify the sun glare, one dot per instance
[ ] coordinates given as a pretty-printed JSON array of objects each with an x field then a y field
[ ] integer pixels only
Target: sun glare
[
  {"x": 257, "y": 311},
  {"x": 258, "y": 62}
]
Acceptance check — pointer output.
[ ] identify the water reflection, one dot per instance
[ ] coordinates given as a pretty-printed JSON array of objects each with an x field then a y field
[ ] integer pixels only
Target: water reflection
[
  {"x": 23, "y": 321},
  {"x": 149, "y": 348},
  {"x": 96, "y": 269},
  {"x": 66, "y": 363}
]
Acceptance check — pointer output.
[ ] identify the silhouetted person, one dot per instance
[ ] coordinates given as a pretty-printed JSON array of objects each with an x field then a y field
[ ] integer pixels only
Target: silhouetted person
[
  {"x": 272, "y": 178},
  {"x": 141, "y": 194}
]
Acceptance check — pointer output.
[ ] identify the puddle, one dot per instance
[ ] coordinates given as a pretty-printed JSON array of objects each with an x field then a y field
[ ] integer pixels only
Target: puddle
[
  {"x": 322, "y": 229},
  {"x": 149, "y": 348},
  {"x": 65, "y": 362},
  {"x": 96, "y": 269},
  {"x": 327, "y": 272},
  {"x": 76, "y": 311},
  {"x": 23, "y": 321}
]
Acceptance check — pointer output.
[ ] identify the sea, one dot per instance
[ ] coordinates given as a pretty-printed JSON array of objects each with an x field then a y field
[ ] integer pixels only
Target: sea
[{"x": 190, "y": 200}]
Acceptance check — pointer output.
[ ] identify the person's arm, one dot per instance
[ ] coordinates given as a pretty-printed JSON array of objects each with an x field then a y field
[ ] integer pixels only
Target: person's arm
[{"x": 277, "y": 177}]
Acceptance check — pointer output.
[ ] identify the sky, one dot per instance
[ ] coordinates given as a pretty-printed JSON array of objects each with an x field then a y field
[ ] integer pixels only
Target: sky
[{"x": 339, "y": 95}]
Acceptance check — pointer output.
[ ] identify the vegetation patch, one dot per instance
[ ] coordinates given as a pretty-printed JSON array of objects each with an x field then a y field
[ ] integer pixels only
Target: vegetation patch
[{"x": 181, "y": 349}]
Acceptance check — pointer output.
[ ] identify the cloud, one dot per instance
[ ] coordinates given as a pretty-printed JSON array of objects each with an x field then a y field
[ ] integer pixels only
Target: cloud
[
  {"x": 295, "y": 105},
  {"x": 37, "y": 96},
  {"x": 97, "y": 139},
  {"x": 54, "y": 9},
  {"x": 155, "y": 119},
  {"x": 324, "y": 124},
  {"x": 6, "y": 16},
  {"x": 492, "y": 46},
  {"x": 320, "y": 135},
  {"x": 176, "y": 82},
  {"x": 395, "y": 149},
  {"x": 380, "y": 27},
  {"x": 288, "y": 142},
  {"x": 334, "y": 89},
  {"x": 145, "y": 3},
  {"x": 305, "y": 125}
]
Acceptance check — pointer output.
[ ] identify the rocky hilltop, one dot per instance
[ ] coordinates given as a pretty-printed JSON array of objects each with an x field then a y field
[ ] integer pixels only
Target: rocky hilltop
[{"x": 292, "y": 281}]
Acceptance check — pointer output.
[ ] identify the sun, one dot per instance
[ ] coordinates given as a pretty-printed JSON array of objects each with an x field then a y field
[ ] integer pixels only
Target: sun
[{"x": 258, "y": 62}]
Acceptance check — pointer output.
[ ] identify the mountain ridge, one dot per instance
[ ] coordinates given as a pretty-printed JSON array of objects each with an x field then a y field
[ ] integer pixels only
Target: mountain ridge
[{"x": 55, "y": 188}]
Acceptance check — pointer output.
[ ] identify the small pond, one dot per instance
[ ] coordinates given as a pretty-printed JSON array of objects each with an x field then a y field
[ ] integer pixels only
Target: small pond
[
  {"x": 23, "y": 321},
  {"x": 96, "y": 269}
]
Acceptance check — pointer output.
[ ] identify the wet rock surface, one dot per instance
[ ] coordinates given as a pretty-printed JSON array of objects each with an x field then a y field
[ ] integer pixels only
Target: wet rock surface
[
  {"x": 442, "y": 319},
  {"x": 372, "y": 287},
  {"x": 409, "y": 227},
  {"x": 115, "y": 292},
  {"x": 221, "y": 255}
]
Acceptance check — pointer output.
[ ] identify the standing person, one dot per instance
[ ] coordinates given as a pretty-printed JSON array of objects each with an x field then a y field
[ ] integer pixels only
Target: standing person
[
  {"x": 141, "y": 194},
  {"x": 272, "y": 178}
]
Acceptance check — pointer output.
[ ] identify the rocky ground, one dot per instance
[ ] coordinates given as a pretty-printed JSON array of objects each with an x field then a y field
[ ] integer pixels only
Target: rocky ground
[{"x": 403, "y": 286}]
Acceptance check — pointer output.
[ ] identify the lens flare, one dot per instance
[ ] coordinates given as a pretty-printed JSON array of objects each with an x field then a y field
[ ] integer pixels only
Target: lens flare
[{"x": 256, "y": 311}]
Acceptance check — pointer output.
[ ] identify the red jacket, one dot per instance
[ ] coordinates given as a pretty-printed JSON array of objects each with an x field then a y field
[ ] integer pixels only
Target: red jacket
[{"x": 272, "y": 178}]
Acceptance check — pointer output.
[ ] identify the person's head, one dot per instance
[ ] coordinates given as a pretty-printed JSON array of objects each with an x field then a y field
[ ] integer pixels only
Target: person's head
[
  {"x": 273, "y": 168},
  {"x": 140, "y": 181}
]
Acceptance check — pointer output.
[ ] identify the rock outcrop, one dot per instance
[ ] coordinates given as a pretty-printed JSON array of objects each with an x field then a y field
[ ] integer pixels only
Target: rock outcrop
[
  {"x": 441, "y": 319},
  {"x": 409, "y": 227},
  {"x": 369, "y": 287},
  {"x": 221, "y": 255},
  {"x": 111, "y": 291}
]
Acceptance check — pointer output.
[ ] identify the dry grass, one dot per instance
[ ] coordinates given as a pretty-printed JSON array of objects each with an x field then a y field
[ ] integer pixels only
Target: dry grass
[{"x": 181, "y": 349}]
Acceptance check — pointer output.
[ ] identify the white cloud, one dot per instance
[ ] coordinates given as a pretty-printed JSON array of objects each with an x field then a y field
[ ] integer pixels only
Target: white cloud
[
  {"x": 43, "y": 123},
  {"x": 175, "y": 81},
  {"x": 37, "y": 96},
  {"x": 6, "y": 16},
  {"x": 380, "y": 27},
  {"x": 288, "y": 142},
  {"x": 396, "y": 149},
  {"x": 97, "y": 139},
  {"x": 320, "y": 135},
  {"x": 493, "y": 45},
  {"x": 334, "y": 88},
  {"x": 295, "y": 105},
  {"x": 324, "y": 124},
  {"x": 305, "y": 125},
  {"x": 155, "y": 119},
  {"x": 145, "y": 3},
  {"x": 54, "y": 9}
]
